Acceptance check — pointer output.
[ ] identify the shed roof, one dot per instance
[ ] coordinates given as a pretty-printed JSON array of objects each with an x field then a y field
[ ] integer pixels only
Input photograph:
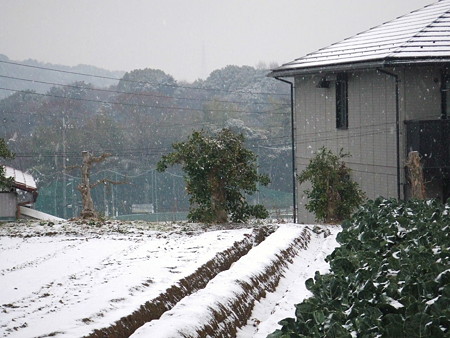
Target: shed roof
[
  {"x": 22, "y": 181},
  {"x": 420, "y": 36}
]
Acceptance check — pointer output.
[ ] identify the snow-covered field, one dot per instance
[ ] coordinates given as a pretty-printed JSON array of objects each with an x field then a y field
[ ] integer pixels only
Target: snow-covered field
[
  {"x": 291, "y": 290},
  {"x": 69, "y": 279}
]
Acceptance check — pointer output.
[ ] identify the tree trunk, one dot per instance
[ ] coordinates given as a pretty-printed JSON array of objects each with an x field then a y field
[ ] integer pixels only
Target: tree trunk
[
  {"x": 333, "y": 201},
  {"x": 218, "y": 200},
  {"x": 415, "y": 174},
  {"x": 88, "y": 210}
]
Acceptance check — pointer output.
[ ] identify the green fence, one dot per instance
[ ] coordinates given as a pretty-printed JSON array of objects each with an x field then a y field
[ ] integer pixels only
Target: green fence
[{"x": 164, "y": 191}]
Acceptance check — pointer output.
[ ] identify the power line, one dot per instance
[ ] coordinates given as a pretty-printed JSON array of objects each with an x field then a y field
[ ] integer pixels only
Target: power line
[
  {"x": 135, "y": 94},
  {"x": 193, "y": 125},
  {"x": 355, "y": 163},
  {"x": 146, "y": 106},
  {"x": 315, "y": 133},
  {"x": 334, "y": 138},
  {"x": 140, "y": 82},
  {"x": 362, "y": 170},
  {"x": 156, "y": 150}
]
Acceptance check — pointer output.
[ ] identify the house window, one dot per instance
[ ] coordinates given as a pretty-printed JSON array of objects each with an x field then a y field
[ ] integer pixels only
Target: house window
[{"x": 341, "y": 102}]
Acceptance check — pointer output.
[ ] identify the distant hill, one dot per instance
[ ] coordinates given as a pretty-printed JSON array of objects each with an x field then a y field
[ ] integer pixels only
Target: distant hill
[{"x": 10, "y": 70}]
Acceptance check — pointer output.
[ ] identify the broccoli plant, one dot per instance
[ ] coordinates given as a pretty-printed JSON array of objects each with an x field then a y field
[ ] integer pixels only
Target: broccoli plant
[{"x": 389, "y": 277}]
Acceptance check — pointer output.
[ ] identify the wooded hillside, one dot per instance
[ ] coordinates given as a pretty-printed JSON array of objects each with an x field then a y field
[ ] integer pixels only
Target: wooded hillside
[{"x": 136, "y": 120}]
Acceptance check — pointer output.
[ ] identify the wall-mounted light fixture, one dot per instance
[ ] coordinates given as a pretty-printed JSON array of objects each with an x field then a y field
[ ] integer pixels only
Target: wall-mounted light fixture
[{"x": 323, "y": 83}]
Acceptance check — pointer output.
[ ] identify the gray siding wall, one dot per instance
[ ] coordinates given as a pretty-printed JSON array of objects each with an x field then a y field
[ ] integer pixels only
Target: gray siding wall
[
  {"x": 371, "y": 134},
  {"x": 370, "y": 137},
  {"x": 8, "y": 202}
]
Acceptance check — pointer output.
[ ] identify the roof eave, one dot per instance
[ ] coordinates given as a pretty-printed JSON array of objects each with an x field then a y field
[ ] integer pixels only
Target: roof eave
[
  {"x": 343, "y": 67},
  {"x": 24, "y": 187}
]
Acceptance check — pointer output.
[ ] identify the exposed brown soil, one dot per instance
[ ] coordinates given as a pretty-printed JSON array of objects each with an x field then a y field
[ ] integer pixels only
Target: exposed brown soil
[
  {"x": 154, "y": 308},
  {"x": 227, "y": 318}
]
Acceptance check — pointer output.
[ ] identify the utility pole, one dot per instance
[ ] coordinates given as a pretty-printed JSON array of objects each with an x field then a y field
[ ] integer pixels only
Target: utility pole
[{"x": 64, "y": 185}]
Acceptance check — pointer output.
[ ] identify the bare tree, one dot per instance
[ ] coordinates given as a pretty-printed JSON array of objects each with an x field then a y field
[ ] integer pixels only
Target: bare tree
[{"x": 85, "y": 186}]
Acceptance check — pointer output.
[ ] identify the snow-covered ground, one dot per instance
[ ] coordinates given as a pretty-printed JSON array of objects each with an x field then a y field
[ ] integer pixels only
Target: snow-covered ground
[
  {"x": 291, "y": 290},
  {"x": 69, "y": 279}
]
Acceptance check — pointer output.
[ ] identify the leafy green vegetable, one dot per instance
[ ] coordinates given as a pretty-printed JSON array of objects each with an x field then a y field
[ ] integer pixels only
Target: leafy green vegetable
[{"x": 390, "y": 277}]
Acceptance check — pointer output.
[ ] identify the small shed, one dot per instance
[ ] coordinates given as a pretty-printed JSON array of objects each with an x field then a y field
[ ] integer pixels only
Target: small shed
[{"x": 23, "y": 192}]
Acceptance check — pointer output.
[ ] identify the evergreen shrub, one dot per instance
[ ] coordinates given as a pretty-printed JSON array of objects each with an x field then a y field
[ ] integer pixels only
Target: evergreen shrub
[
  {"x": 219, "y": 173},
  {"x": 333, "y": 195},
  {"x": 5, "y": 183}
]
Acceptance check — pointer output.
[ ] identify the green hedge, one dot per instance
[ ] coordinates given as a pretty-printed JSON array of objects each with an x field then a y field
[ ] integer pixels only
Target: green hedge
[{"x": 390, "y": 277}]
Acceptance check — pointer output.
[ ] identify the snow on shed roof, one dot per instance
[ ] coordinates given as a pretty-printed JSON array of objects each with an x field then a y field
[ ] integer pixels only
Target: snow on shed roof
[
  {"x": 422, "y": 35},
  {"x": 22, "y": 180}
]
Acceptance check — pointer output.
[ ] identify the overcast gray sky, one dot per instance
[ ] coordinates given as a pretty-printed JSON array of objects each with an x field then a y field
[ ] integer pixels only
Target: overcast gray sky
[{"x": 185, "y": 38}]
